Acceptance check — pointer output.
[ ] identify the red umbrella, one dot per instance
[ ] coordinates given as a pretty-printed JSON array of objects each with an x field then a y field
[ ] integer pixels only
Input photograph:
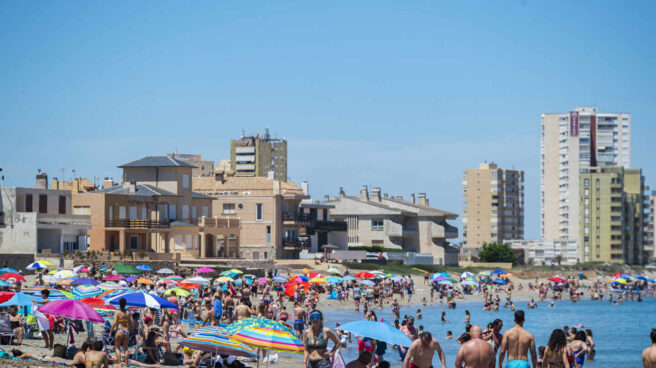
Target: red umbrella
[
  {"x": 294, "y": 283},
  {"x": 365, "y": 275},
  {"x": 188, "y": 285},
  {"x": 290, "y": 290},
  {"x": 113, "y": 278},
  {"x": 557, "y": 279},
  {"x": 617, "y": 274},
  {"x": 313, "y": 274},
  {"x": 12, "y": 275},
  {"x": 97, "y": 303},
  {"x": 6, "y": 295}
]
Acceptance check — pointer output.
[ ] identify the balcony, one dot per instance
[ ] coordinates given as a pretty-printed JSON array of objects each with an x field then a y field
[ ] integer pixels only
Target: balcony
[
  {"x": 138, "y": 224},
  {"x": 295, "y": 244},
  {"x": 330, "y": 225},
  {"x": 296, "y": 218},
  {"x": 217, "y": 222}
]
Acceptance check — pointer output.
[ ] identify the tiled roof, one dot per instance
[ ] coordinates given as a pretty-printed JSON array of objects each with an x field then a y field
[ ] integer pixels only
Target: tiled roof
[
  {"x": 142, "y": 189},
  {"x": 157, "y": 161},
  {"x": 200, "y": 195},
  {"x": 210, "y": 184}
]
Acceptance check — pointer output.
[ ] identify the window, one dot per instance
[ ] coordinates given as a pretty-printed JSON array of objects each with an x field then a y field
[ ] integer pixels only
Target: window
[
  {"x": 258, "y": 212},
  {"x": 144, "y": 215},
  {"x": 266, "y": 255},
  {"x": 43, "y": 203},
  {"x": 173, "y": 213},
  {"x": 83, "y": 210},
  {"x": 177, "y": 241},
  {"x": 256, "y": 255},
  {"x": 206, "y": 212},
  {"x": 111, "y": 213},
  {"x": 134, "y": 242},
  {"x": 268, "y": 234},
  {"x": 28, "y": 203},
  {"x": 586, "y": 192},
  {"x": 229, "y": 209},
  {"x": 194, "y": 212},
  {"x": 377, "y": 225},
  {"x": 121, "y": 213},
  {"x": 189, "y": 242},
  {"x": 185, "y": 181},
  {"x": 377, "y": 243},
  {"x": 586, "y": 182},
  {"x": 133, "y": 213},
  {"x": 62, "y": 205},
  {"x": 185, "y": 212}
]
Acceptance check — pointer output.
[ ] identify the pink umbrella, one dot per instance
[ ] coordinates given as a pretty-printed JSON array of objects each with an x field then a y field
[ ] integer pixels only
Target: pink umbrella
[
  {"x": 261, "y": 280},
  {"x": 72, "y": 309},
  {"x": 84, "y": 269},
  {"x": 205, "y": 270},
  {"x": 167, "y": 281},
  {"x": 113, "y": 278}
]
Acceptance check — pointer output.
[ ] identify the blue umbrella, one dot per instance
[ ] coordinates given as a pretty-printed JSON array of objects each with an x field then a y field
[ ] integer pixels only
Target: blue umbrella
[
  {"x": 382, "y": 331},
  {"x": 19, "y": 299},
  {"x": 143, "y": 300},
  {"x": 348, "y": 278},
  {"x": 36, "y": 266},
  {"x": 499, "y": 272},
  {"x": 280, "y": 279},
  {"x": 500, "y": 281},
  {"x": 130, "y": 279},
  {"x": 85, "y": 281},
  {"x": 144, "y": 268},
  {"x": 7, "y": 270},
  {"x": 4, "y": 283}
]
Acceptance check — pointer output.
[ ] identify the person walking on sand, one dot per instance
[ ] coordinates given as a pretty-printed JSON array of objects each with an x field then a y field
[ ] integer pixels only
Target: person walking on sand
[
  {"x": 649, "y": 354},
  {"x": 517, "y": 342},
  {"x": 421, "y": 351},
  {"x": 475, "y": 353}
]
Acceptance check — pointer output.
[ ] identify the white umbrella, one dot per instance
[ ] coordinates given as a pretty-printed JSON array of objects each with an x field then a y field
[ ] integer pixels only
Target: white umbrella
[
  {"x": 468, "y": 282},
  {"x": 367, "y": 283},
  {"x": 464, "y": 275},
  {"x": 198, "y": 280},
  {"x": 165, "y": 271}
]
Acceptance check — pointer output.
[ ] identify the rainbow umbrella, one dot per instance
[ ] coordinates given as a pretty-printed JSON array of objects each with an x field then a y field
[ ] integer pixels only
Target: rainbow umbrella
[
  {"x": 237, "y": 326},
  {"x": 174, "y": 278},
  {"x": 109, "y": 286},
  {"x": 54, "y": 293},
  {"x": 7, "y": 270},
  {"x": 86, "y": 291},
  {"x": 214, "y": 340},
  {"x": 269, "y": 338}
]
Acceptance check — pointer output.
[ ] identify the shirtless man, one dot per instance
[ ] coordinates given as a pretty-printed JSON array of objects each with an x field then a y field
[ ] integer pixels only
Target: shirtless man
[
  {"x": 300, "y": 315},
  {"x": 243, "y": 311},
  {"x": 420, "y": 354},
  {"x": 410, "y": 329},
  {"x": 475, "y": 353},
  {"x": 517, "y": 342},
  {"x": 649, "y": 354}
]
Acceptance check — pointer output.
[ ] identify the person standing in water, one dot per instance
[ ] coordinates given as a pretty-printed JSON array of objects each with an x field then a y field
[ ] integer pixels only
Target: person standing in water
[
  {"x": 649, "y": 354},
  {"x": 517, "y": 342}
]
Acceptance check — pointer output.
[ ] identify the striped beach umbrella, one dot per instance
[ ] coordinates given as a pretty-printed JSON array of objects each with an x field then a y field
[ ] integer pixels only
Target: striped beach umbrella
[
  {"x": 214, "y": 340},
  {"x": 269, "y": 338},
  {"x": 109, "y": 286},
  {"x": 236, "y": 326},
  {"x": 143, "y": 300},
  {"x": 54, "y": 293},
  {"x": 174, "y": 278},
  {"x": 86, "y": 291},
  {"x": 37, "y": 266}
]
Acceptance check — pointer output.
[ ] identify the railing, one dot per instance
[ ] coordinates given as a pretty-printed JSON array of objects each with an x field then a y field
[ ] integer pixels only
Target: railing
[
  {"x": 139, "y": 224},
  {"x": 296, "y": 217},
  {"x": 296, "y": 243},
  {"x": 218, "y": 222},
  {"x": 330, "y": 225}
]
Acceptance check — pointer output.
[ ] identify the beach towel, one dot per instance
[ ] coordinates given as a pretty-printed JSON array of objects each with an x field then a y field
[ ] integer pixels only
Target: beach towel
[{"x": 333, "y": 295}]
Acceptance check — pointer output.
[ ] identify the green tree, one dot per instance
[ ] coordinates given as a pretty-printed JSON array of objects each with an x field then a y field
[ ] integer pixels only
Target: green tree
[
  {"x": 493, "y": 252},
  {"x": 558, "y": 259}
]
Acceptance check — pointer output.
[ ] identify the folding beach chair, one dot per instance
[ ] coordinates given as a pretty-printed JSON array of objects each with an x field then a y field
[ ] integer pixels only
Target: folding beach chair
[{"x": 5, "y": 328}]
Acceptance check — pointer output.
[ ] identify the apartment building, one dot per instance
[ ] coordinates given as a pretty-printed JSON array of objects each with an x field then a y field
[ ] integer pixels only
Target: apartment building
[
  {"x": 612, "y": 220},
  {"x": 547, "y": 252},
  {"x": 569, "y": 143},
  {"x": 493, "y": 206},
  {"x": 154, "y": 209},
  {"x": 392, "y": 222},
  {"x": 259, "y": 155},
  {"x": 650, "y": 245},
  {"x": 202, "y": 167},
  {"x": 39, "y": 220}
]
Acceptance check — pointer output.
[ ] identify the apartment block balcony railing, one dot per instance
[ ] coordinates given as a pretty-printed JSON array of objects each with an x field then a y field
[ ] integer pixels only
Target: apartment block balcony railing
[
  {"x": 296, "y": 243},
  {"x": 299, "y": 218},
  {"x": 330, "y": 225},
  {"x": 138, "y": 224},
  {"x": 218, "y": 222}
]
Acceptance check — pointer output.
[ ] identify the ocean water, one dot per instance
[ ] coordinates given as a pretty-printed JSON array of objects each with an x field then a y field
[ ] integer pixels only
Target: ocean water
[{"x": 621, "y": 332}]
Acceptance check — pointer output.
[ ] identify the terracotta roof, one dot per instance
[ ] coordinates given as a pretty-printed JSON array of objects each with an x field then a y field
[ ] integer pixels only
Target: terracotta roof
[{"x": 209, "y": 185}]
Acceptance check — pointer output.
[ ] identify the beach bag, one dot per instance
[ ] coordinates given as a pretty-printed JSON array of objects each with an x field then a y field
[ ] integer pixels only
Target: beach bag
[
  {"x": 70, "y": 353},
  {"x": 59, "y": 351},
  {"x": 171, "y": 359}
]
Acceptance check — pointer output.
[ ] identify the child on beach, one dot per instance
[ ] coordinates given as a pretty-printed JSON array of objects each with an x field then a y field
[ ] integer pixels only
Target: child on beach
[{"x": 419, "y": 316}]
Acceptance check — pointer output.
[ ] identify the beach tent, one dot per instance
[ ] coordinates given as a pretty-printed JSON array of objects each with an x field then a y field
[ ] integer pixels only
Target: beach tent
[{"x": 126, "y": 269}]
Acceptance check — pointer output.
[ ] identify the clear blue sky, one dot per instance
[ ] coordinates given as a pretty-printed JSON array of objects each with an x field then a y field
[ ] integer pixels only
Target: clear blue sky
[{"x": 404, "y": 95}]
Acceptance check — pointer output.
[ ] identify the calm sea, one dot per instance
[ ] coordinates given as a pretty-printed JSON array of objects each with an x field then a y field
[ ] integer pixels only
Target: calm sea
[{"x": 620, "y": 331}]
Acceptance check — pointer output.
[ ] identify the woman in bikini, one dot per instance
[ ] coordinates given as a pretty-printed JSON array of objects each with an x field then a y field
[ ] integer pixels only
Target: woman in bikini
[
  {"x": 555, "y": 355},
  {"x": 577, "y": 349},
  {"x": 122, "y": 324},
  {"x": 316, "y": 343}
]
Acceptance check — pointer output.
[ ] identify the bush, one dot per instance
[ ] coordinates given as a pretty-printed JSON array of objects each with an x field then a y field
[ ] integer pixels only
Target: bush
[
  {"x": 493, "y": 252},
  {"x": 142, "y": 254}
]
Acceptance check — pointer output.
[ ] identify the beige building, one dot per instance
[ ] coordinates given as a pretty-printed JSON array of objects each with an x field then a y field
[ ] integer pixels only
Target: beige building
[
  {"x": 391, "y": 222},
  {"x": 259, "y": 155},
  {"x": 155, "y": 210},
  {"x": 650, "y": 246},
  {"x": 202, "y": 167},
  {"x": 570, "y": 142},
  {"x": 613, "y": 219},
  {"x": 493, "y": 206}
]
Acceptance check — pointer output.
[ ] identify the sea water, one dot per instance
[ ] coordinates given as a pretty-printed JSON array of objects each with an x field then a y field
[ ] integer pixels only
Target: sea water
[{"x": 621, "y": 332}]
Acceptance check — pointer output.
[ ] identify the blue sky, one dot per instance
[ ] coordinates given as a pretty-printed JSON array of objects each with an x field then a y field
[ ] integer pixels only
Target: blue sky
[{"x": 402, "y": 95}]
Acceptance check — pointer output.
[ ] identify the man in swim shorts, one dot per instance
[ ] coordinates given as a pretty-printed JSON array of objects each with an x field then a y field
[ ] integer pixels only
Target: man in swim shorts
[
  {"x": 517, "y": 342},
  {"x": 420, "y": 353},
  {"x": 300, "y": 315}
]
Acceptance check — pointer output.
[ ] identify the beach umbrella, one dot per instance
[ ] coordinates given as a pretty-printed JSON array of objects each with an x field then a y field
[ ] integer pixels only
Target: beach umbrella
[
  {"x": 242, "y": 281},
  {"x": 72, "y": 309},
  {"x": 144, "y": 281},
  {"x": 65, "y": 274},
  {"x": 12, "y": 276},
  {"x": 348, "y": 278},
  {"x": 620, "y": 281},
  {"x": 144, "y": 268},
  {"x": 223, "y": 279},
  {"x": 130, "y": 279},
  {"x": 174, "y": 278},
  {"x": 333, "y": 280},
  {"x": 378, "y": 272},
  {"x": 65, "y": 282},
  {"x": 126, "y": 269},
  {"x": 464, "y": 275},
  {"x": 36, "y": 266},
  {"x": 261, "y": 280},
  {"x": 188, "y": 285},
  {"x": 18, "y": 299},
  {"x": 85, "y": 281},
  {"x": 54, "y": 293},
  {"x": 250, "y": 276},
  {"x": 390, "y": 275},
  {"x": 334, "y": 270},
  {"x": 199, "y": 280},
  {"x": 300, "y": 278},
  {"x": 108, "y": 286},
  {"x": 214, "y": 340},
  {"x": 448, "y": 282},
  {"x": 47, "y": 263},
  {"x": 7, "y": 269},
  {"x": 50, "y": 279},
  {"x": 205, "y": 270},
  {"x": 365, "y": 275},
  {"x": 77, "y": 269},
  {"x": 6, "y": 295},
  {"x": 485, "y": 273},
  {"x": 166, "y": 281},
  {"x": 445, "y": 274},
  {"x": 4, "y": 283},
  {"x": 86, "y": 291},
  {"x": 317, "y": 280},
  {"x": 367, "y": 283},
  {"x": 112, "y": 277},
  {"x": 499, "y": 272},
  {"x": 381, "y": 331},
  {"x": 306, "y": 270},
  {"x": 236, "y": 326},
  {"x": 280, "y": 279},
  {"x": 178, "y": 292},
  {"x": 439, "y": 278},
  {"x": 165, "y": 271},
  {"x": 234, "y": 270},
  {"x": 143, "y": 300},
  {"x": 557, "y": 279},
  {"x": 313, "y": 275},
  {"x": 505, "y": 275},
  {"x": 269, "y": 338},
  {"x": 98, "y": 304},
  {"x": 469, "y": 283},
  {"x": 500, "y": 281}
]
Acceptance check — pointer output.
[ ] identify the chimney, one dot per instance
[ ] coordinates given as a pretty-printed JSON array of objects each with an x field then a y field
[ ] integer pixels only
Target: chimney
[
  {"x": 306, "y": 187},
  {"x": 341, "y": 192},
  {"x": 412, "y": 198},
  {"x": 364, "y": 193},
  {"x": 107, "y": 183},
  {"x": 41, "y": 180},
  {"x": 133, "y": 186},
  {"x": 326, "y": 197},
  {"x": 375, "y": 194},
  {"x": 55, "y": 183},
  {"x": 421, "y": 199},
  {"x": 77, "y": 185}
]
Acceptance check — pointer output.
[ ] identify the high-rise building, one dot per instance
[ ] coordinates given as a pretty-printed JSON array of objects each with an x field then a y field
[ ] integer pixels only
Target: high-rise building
[
  {"x": 259, "y": 155},
  {"x": 651, "y": 227},
  {"x": 612, "y": 217},
  {"x": 570, "y": 142},
  {"x": 493, "y": 206}
]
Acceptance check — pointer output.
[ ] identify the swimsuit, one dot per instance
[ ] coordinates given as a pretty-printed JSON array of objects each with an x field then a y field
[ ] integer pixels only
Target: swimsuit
[
  {"x": 299, "y": 325},
  {"x": 323, "y": 363},
  {"x": 413, "y": 365},
  {"x": 518, "y": 364}
]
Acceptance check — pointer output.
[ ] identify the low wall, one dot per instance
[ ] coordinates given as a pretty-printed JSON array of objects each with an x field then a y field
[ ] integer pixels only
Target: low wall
[
  {"x": 18, "y": 261},
  {"x": 489, "y": 265}
]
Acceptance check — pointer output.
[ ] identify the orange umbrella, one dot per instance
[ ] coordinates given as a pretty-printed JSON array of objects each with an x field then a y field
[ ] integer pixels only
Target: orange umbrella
[
  {"x": 65, "y": 282},
  {"x": 141, "y": 280},
  {"x": 189, "y": 285}
]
